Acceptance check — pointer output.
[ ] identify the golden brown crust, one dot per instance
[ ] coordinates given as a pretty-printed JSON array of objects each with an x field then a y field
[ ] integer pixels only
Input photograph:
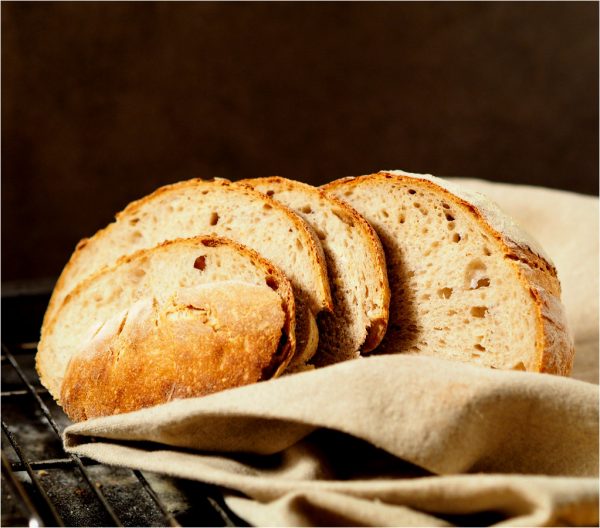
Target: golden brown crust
[
  {"x": 321, "y": 288},
  {"x": 201, "y": 341},
  {"x": 554, "y": 344},
  {"x": 379, "y": 319},
  {"x": 280, "y": 284}
]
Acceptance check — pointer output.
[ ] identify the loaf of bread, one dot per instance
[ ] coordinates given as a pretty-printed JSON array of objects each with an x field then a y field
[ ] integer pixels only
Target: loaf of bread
[
  {"x": 467, "y": 283},
  {"x": 356, "y": 266},
  {"x": 142, "y": 315},
  {"x": 162, "y": 323},
  {"x": 198, "y": 207}
]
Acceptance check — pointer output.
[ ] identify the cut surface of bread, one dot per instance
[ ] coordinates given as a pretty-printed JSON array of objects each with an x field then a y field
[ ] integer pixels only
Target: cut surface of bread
[
  {"x": 356, "y": 267},
  {"x": 466, "y": 282},
  {"x": 198, "y": 207},
  {"x": 163, "y": 276}
]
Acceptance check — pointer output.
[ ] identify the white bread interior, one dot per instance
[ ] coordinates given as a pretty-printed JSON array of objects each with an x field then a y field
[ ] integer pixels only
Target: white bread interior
[
  {"x": 467, "y": 283},
  {"x": 355, "y": 263},
  {"x": 198, "y": 207},
  {"x": 160, "y": 274}
]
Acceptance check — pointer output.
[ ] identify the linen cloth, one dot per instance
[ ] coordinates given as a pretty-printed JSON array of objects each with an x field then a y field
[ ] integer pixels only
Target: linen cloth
[{"x": 399, "y": 440}]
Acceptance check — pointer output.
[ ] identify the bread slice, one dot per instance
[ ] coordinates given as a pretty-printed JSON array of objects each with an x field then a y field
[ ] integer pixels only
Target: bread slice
[
  {"x": 198, "y": 207},
  {"x": 227, "y": 338},
  {"x": 356, "y": 266},
  {"x": 466, "y": 282}
]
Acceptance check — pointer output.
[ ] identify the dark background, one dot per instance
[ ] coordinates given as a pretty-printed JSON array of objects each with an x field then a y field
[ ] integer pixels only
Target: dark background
[{"x": 104, "y": 102}]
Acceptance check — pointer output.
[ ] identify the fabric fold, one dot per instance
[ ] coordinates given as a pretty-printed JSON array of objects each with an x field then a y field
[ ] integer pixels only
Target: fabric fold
[{"x": 443, "y": 416}]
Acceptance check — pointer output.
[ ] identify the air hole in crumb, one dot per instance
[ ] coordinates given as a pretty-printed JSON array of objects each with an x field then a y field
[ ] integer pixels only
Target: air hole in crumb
[
  {"x": 306, "y": 209},
  {"x": 134, "y": 221},
  {"x": 486, "y": 252},
  {"x": 385, "y": 213},
  {"x": 136, "y": 235},
  {"x": 519, "y": 366},
  {"x": 475, "y": 275},
  {"x": 402, "y": 219},
  {"x": 272, "y": 283},
  {"x": 424, "y": 230},
  {"x": 348, "y": 193},
  {"x": 270, "y": 193},
  {"x": 200, "y": 263},
  {"x": 416, "y": 204},
  {"x": 445, "y": 205},
  {"x": 411, "y": 191},
  {"x": 444, "y": 293},
  {"x": 479, "y": 347},
  {"x": 343, "y": 217},
  {"x": 214, "y": 218},
  {"x": 320, "y": 234},
  {"x": 138, "y": 273},
  {"x": 299, "y": 244},
  {"x": 449, "y": 217},
  {"x": 424, "y": 212},
  {"x": 475, "y": 355},
  {"x": 479, "y": 311},
  {"x": 426, "y": 297},
  {"x": 267, "y": 206},
  {"x": 455, "y": 237},
  {"x": 452, "y": 312},
  {"x": 451, "y": 226},
  {"x": 204, "y": 192},
  {"x": 211, "y": 242}
]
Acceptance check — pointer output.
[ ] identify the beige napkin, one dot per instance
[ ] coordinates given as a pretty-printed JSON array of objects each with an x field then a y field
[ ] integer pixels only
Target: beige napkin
[{"x": 398, "y": 440}]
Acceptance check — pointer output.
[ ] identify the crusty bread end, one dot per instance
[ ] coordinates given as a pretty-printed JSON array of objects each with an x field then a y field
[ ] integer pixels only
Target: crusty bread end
[{"x": 202, "y": 340}]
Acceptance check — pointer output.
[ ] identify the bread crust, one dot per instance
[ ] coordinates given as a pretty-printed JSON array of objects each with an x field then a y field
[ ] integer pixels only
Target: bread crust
[
  {"x": 216, "y": 337},
  {"x": 535, "y": 271},
  {"x": 287, "y": 347},
  {"x": 310, "y": 242},
  {"x": 378, "y": 318}
]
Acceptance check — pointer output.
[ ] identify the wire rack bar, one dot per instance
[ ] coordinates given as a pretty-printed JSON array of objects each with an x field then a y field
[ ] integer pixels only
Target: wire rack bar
[
  {"x": 33, "y": 514},
  {"x": 167, "y": 514},
  {"x": 52, "y": 463},
  {"x": 95, "y": 490},
  {"x": 57, "y": 519},
  {"x": 21, "y": 392}
]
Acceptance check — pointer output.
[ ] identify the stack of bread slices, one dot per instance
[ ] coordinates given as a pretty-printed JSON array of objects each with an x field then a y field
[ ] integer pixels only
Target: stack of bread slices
[{"x": 207, "y": 285}]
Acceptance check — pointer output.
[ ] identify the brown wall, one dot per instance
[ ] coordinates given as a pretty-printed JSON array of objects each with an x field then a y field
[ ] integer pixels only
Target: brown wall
[{"x": 103, "y": 102}]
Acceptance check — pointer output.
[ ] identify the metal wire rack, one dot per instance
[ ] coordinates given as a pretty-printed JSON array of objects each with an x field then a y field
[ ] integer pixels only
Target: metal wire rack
[{"x": 42, "y": 485}]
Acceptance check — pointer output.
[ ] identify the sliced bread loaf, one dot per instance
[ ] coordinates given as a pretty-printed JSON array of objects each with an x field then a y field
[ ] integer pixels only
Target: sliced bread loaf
[
  {"x": 466, "y": 282},
  {"x": 356, "y": 266},
  {"x": 198, "y": 207},
  {"x": 149, "y": 303}
]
